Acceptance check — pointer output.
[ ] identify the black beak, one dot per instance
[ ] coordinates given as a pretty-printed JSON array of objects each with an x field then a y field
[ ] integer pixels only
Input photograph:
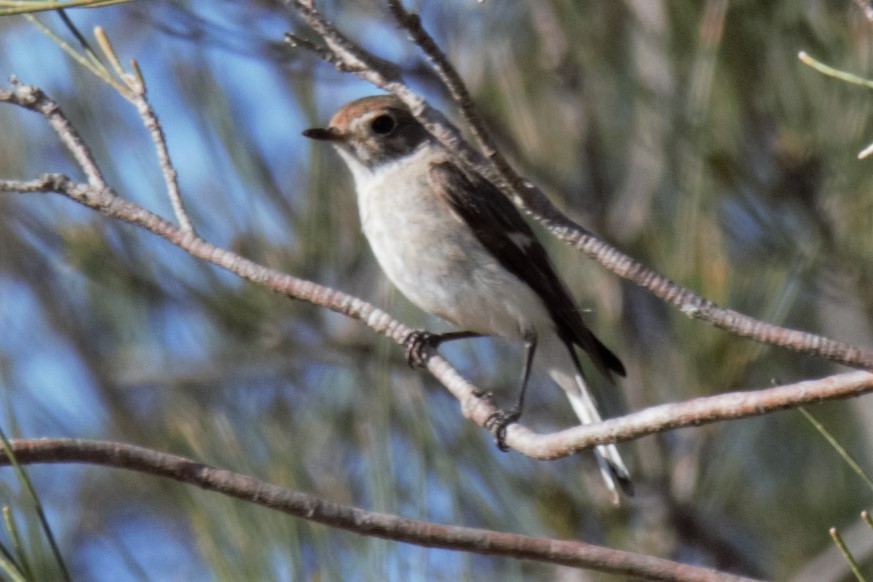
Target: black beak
[{"x": 323, "y": 134}]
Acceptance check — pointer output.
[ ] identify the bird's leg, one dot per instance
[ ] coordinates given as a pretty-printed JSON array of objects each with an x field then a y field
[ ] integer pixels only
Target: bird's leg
[
  {"x": 418, "y": 339},
  {"x": 498, "y": 421}
]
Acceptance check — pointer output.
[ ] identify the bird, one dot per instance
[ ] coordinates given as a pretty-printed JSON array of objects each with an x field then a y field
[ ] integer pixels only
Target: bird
[{"x": 457, "y": 248}]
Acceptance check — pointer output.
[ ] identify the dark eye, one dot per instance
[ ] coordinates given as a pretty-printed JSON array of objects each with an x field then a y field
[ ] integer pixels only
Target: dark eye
[{"x": 383, "y": 124}]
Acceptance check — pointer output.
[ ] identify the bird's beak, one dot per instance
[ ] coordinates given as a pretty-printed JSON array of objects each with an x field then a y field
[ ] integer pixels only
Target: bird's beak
[{"x": 324, "y": 134}]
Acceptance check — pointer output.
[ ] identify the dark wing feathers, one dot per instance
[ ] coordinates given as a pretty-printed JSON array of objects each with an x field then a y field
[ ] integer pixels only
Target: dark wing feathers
[{"x": 500, "y": 228}]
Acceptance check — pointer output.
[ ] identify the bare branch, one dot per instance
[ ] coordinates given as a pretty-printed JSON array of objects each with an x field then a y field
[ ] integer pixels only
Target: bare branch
[
  {"x": 709, "y": 409},
  {"x": 370, "y": 523},
  {"x": 34, "y": 99},
  {"x": 506, "y": 176},
  {"x": 354, "y": 58},
  {"x": 324, "y": 53},
  {"x": 107, "y": 202},
  {"x": 153, "y": 125},
  {"x": 346, "y": 56}
]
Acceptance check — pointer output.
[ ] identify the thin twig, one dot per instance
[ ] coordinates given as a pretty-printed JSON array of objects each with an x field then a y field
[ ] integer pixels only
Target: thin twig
[
  {"x": 136, "y": 92},
  {"x": 844, "y": 549},
  {"x": 159, "y": 139},
  {"x": 355, "y": 58},
  {"x": 839, "y": 448},
  {"x": 109, "y": 203},
  {"x": 25, "y": 481},
  {"x": 458, "y": 90},
  {"x": 832, "y": 72},
  {"x": 369, "y": 523},
  {"x": 324, "y": 53},
  {"x": 88, "y": 60},
  {"x": 34, "y": 99}
]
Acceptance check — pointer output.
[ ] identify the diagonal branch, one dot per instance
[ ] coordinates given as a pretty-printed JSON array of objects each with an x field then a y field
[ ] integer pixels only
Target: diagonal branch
[
  {"x": 168, "y": 170},
  {"x": 360, "y": 521},
  {"x": 107, "y": 202},
  {"x": 661, "y": 418},
  {"x": 451, "y": 79},
  {"x": 348, "y": 57},
  {"x": 110, "y": 204},
  {"x": 34, "y": 99}
]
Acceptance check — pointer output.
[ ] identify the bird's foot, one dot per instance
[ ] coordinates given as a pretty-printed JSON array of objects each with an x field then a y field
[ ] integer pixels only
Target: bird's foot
[
  {"x": 415, "y": 342},
  {"x": 499, "y": 421}
]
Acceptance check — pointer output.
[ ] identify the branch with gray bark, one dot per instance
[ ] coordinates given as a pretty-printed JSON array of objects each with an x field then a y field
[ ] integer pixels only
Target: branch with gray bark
[{"x": 370, "y": 523}]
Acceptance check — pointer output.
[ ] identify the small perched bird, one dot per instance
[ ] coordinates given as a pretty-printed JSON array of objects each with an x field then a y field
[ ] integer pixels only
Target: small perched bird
[{"x": 456, "y": 247}]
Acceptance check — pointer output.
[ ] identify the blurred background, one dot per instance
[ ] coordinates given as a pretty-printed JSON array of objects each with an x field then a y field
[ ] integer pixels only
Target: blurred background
[{"x": 685, "y": 133}]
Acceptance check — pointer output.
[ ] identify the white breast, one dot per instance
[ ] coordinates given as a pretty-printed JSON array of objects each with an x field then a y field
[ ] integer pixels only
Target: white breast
[{"x": 434, "y": 259}]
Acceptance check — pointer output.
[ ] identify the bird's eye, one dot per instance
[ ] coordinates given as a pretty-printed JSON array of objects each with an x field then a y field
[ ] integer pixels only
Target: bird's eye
[{"x": 383, "y": 124}]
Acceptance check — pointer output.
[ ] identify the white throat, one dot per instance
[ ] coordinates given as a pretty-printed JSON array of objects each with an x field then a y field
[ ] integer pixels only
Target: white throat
[{"x": 365, "y": 176}]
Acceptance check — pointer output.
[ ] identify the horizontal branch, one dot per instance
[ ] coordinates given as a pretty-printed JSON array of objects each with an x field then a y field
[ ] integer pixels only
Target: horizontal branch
[
  {"x": 706, "y": 410},
  {"x": 369, "y": 523}
]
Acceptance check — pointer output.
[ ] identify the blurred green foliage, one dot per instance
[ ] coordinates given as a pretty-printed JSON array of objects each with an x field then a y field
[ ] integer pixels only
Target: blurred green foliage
[{"x": 686, "y": 133}]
